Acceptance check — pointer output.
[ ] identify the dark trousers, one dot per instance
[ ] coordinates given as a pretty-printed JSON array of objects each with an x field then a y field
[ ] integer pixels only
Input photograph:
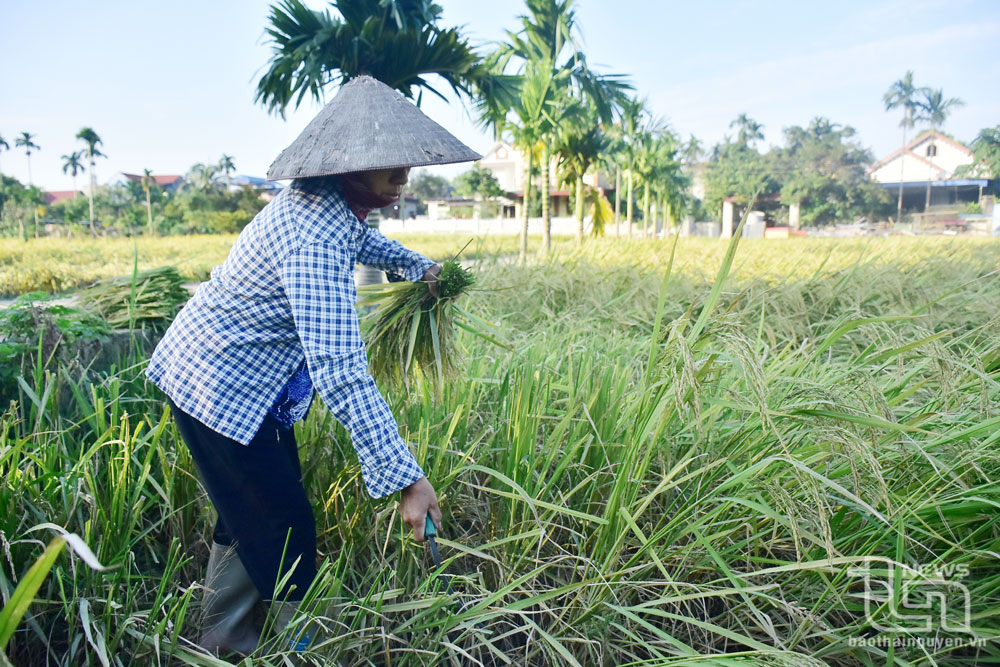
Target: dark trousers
[{"x": 258, "y": 494}]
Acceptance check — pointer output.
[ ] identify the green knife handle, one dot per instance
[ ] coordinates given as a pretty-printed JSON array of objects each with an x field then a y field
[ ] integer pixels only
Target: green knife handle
[{"x": 429, "y": 530}]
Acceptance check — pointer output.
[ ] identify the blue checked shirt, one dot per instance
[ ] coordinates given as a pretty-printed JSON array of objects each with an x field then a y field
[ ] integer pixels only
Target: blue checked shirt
[{"x": 285, "y": 295}]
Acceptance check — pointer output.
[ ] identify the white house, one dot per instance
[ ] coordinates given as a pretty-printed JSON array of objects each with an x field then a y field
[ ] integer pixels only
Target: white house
[
  {"x": 930, "y": 157},
  {"x": 508, "y": 166}
]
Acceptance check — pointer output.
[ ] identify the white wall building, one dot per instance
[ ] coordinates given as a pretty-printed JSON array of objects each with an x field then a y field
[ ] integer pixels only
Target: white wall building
[
  {"x": 932, "y": 158},
  {"x": 509, "y": 166}
]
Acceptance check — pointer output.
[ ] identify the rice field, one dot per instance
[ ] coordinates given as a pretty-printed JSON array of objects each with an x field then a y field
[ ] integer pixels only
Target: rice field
[
  {"x": 679, "y": 458},
  {"x": 61, "y": 264}
]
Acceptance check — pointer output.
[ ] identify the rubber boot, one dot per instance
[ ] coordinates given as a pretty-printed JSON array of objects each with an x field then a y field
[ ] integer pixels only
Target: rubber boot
[
  {"x": 284, "y": 615},
  {"x": 227, "y": 609}
]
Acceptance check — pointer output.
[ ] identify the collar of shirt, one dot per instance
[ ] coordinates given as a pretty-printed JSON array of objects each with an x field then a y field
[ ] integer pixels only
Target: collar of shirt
[{"x": 327, "y": 188}]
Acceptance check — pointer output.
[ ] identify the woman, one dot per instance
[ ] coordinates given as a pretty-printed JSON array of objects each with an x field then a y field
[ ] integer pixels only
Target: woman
[{"x": 240, "y": 363}]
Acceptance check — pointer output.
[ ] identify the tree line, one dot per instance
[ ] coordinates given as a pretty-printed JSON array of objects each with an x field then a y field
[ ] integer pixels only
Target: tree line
[
  {"x": 204, "y": 201},
  {"x": 537, "y": 90}
]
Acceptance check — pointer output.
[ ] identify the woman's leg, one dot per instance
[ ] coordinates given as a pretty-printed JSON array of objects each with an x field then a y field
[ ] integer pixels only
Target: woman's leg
[{"x": 257, "y": 491}]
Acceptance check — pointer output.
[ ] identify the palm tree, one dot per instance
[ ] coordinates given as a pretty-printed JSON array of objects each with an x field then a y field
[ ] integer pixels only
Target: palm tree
[
  {"x": 580, "y": 143},
  {"x": 748, "y": 131},
  {"x": 902, "y": 94},
  {"x": 73, "y": 165},
  {"x": 89, "y": 137},
  {"x": 395, "y": 41},
  {"x": 670, "y": 182},
  {"x": 531, "y": 118},
  {"x": 693, "y": 150},
  {"x": 202, "y": 178},
  {"x": 226, "y": 165},
  {"x": 547, "y": 39},
  {"x": 4, "y": 146},
  {"x": 633, "y": 113},
  {"x": 27, "y": 142},
  {"x": 147, "y": 185},
  {"x": 643, "y": 164},
  {"x": 611, "y": 159},
  {"x": 934, "y": 109}
]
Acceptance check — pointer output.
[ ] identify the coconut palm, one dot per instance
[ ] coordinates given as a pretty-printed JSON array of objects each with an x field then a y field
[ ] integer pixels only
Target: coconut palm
[
  {"x": 89, "y": 137},
  {"x": 670, "y": 183},
  {"x": 643, "y": 167},
  {"x": 934, "y": 109},
  {"x": 633, "y": 116},
  {"x": 580, "y": 143},
  {"x": 655, "y": 156},
  {"x": 4, "y": 146},
  {"x": 73, "y": 165},
  {"x": 548, "y": 39},
  {"x": 147, "y": 185},
  {"x": 532, "y": 118},
  {"x": 395, "y": 41},
  {"x": 226, "y": 165},
  {"x": 611, "y": 160},
  {"x": 902, "y": 94},
  {"x": 27, "y": 142},
  {"x": 202, "y": 178},
  {"x": 748, "y": 131},
  {"x": 693, "y": 150}
]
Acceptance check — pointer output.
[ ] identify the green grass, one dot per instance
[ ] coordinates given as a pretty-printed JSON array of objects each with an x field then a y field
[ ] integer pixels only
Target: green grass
[{"x": 654, "y": 473}]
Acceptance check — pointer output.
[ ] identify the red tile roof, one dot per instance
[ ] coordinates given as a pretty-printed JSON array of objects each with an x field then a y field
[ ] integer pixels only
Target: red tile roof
[
  {"x": 161, "y": 180},
  {"x": 60, "y": 195}
]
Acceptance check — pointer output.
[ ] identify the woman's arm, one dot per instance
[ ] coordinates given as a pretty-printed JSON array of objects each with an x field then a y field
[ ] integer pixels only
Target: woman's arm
[
  {"x": 319, "y": 283},
  {"x": 382, "y": 253}
]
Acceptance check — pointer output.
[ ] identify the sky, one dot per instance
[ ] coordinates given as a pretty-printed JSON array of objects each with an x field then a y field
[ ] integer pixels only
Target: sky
[{"x": 169, "y": 84}]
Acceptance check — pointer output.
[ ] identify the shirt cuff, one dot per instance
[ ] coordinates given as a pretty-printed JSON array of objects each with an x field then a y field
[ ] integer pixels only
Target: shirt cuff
[
  {"x": 400, "y": 471},
  {"x": 418, "y": 268}
]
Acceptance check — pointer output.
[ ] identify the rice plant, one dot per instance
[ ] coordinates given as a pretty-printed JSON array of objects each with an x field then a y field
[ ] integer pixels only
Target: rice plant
[{"x": 661, "y": 468}]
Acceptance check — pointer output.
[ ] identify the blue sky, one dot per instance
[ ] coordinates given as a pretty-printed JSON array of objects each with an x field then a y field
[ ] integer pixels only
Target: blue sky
[{"x": 170, "y": 84}]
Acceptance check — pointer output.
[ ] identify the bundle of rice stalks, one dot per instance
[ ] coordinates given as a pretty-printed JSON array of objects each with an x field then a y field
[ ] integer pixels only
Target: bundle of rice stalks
[
  {"x": 146, "y": 299},
  {"x": 410, "y": 330}
]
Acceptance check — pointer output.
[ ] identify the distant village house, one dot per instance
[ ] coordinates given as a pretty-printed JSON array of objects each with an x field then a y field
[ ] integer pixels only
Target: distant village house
[{"x": 931, "y": 158}]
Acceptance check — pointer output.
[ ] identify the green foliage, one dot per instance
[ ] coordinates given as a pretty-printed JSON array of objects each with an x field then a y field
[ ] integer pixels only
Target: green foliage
[
  {"x": 902, "y": 94},
  {"x": 424, "y": 185},
  {"x": 17, "y": 203},
  {"x": 34, "y": 312},
  {"x": 193, "y": 210},
  {"x": 736, "y": 170},
  {"x": 398, "y": 43},
  {"x": 822, "y": 168},
  {"x": 478, "y": 181},
  {"x": 933, "y": 108},
  {"x": 748, "y": 131},
  {"x": 986, "y": 151},
  {"x": 33, "y": 323}
]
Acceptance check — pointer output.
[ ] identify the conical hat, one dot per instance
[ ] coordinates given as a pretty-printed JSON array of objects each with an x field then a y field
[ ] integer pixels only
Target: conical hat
[{"x": 368, "y": 125}]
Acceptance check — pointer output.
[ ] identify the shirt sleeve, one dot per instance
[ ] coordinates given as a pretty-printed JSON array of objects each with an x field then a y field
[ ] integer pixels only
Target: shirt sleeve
[
  {"x": 319, "y": 283},
  {"x": 378, "y": 251}
]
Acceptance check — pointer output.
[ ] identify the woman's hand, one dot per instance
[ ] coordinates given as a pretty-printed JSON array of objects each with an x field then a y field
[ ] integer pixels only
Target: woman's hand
[
  {"x": 431, "y": 278},
  {"x": 415, "y": 502}
]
